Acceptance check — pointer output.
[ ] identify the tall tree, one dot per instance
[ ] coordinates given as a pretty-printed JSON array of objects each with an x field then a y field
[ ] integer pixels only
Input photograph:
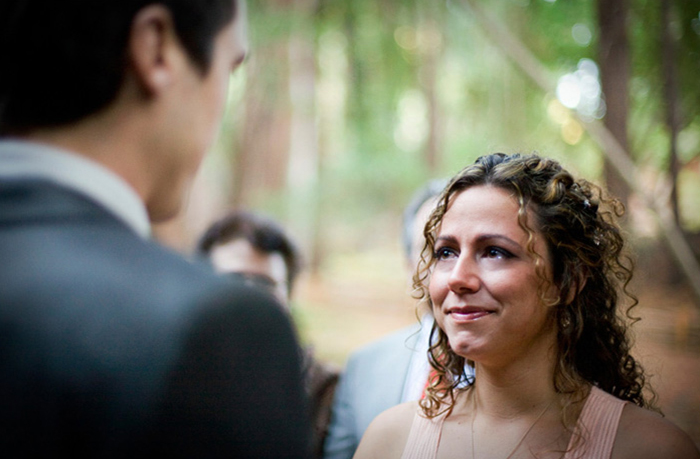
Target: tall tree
[
  {"x": 262, "y": 152},
  {"x": 614, "y": 74},
  {"x": 670, "y": 85}
]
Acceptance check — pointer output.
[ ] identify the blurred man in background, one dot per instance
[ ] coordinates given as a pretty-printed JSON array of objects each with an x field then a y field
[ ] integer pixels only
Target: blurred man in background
[
  {"x": 257, "y": 250},
  {"x": 112, "y": 346},
  {"x": 393, "y": 369}
]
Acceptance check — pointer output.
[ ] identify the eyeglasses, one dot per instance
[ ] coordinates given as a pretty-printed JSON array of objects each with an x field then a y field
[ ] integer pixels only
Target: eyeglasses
[{"x": 254, "y": 280}]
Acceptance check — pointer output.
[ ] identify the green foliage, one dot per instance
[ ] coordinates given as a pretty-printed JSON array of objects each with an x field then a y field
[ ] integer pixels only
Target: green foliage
[
  {"x": 549, "y": 29},
  {"x": 374, "y": 153}
]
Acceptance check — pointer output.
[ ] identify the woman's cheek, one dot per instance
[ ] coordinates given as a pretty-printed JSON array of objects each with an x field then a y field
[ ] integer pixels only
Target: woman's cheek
[{"x": 436, "y": 290}]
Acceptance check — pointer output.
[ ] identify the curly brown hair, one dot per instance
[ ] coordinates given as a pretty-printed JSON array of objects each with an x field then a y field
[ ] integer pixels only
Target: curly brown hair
[{"x": 590, "y": 271}]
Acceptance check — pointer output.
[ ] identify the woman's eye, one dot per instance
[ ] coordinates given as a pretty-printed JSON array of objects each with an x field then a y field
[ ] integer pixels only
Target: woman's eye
[
  {"x": 443, "y": 253},
  {"x": 497, "y": 252}
]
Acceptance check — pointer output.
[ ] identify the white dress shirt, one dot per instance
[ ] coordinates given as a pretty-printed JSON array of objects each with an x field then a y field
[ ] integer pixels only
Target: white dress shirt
[
  {"x": 419, "y": 367},
  {"x": 23, "y": 159}
]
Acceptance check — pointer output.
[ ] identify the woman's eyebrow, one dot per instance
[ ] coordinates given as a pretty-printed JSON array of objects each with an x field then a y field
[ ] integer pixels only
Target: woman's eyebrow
[
  {"x": 491, "y": 236},
  {"x": 446, "y": 238},
  {"x": 479, "y": 238}
]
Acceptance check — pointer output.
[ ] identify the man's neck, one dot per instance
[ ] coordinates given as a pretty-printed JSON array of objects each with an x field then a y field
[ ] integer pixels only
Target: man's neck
[{"x": 105, "y": 139}]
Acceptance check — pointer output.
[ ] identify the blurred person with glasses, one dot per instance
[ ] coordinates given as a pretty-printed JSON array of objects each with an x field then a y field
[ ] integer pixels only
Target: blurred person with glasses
[{"x": 257, "y": 251}]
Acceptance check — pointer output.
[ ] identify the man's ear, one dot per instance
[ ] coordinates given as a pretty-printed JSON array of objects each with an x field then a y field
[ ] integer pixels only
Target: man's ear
[{"x": 152, "y": 48}]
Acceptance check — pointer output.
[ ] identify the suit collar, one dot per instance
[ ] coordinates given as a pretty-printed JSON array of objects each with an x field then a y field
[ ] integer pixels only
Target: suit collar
[
  {"x": 22, "y": 160},
  {"x": 40, "y": 202}
]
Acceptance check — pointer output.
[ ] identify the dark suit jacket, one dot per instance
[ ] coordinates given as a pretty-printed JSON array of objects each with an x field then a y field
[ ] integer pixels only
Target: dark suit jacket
[{"x": 113, "y": 346}]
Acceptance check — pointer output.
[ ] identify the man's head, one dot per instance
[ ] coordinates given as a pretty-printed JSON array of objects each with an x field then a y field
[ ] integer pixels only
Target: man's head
[
  {"x": 137, "y": 85},
  {"x": 64, "y": 60},
  {"x": 255, "y": 248}
]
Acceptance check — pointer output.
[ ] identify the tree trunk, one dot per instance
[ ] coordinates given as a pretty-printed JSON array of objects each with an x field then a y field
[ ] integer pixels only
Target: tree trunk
[
  {"x": 428, "y": 76},
  {"x": 303, "y": 172},
  {"x": 262, "y": 148},
  {"x": 614, "y": 72},
  {"x": 670, "y": 86}
]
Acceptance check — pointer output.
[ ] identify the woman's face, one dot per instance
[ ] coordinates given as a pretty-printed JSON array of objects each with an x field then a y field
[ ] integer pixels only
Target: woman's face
[{"x": 484, "y": 284}]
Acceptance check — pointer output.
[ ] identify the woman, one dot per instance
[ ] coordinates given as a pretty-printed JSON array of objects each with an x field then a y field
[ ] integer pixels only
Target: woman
[{"x": 522, "y": 268}]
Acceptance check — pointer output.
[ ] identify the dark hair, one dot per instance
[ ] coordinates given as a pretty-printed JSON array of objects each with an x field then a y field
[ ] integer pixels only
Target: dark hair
[
  {"x": 430, "y": 190},
  {"x": 63, "y": 60},
  {"x": 589, "y": 270},
  {"x": 262, "y": 233}
]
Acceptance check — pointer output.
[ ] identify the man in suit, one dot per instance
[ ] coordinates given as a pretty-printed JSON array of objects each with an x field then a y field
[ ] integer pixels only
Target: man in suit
[
  {"x": 393, "y": 369},
  {"x": 110, "y": 344}
]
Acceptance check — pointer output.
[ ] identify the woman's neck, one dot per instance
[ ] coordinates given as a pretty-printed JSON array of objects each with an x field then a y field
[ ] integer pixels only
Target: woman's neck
[{"x": 514, "y": 390}]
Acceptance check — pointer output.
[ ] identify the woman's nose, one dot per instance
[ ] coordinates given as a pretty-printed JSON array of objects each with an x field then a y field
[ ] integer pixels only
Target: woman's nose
[{"x": 464, "y": 277}]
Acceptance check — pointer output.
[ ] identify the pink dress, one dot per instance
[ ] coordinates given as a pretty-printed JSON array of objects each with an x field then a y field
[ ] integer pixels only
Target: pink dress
[{"x": 598, "y": 423}]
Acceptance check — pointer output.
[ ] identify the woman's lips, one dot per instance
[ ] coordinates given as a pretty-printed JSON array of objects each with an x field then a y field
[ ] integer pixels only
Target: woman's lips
[{"x": 467, "y": 313}]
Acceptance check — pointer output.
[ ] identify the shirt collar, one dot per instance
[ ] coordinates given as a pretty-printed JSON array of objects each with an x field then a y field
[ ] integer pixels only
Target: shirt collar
[
  {"x": 23, "y": 159},
  {"x": 418, "y": 367}
]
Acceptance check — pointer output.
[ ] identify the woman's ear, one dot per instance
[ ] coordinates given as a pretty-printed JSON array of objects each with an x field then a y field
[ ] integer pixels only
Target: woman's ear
[{"x": 576, "y": 287}]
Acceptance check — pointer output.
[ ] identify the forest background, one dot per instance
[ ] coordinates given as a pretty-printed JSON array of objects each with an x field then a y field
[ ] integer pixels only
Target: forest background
[{"x": 345, "y": 108}]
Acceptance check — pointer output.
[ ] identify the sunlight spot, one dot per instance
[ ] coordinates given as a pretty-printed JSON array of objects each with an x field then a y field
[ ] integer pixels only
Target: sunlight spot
[
  {"x": 406, "y": 38},
  {"x": 581, "y": 91},
  {"x": 581, "y": 34},
  {"x": 572, "y": 131},
  {"x": 568, "y": 91},
  {"x": 557, "y": 112},
  {"x": 695, "y": 23},
  {"x": 412, "y": 127}
]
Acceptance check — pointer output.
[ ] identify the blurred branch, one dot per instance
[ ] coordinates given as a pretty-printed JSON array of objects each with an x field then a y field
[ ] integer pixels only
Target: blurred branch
[{"x": 618, "y": 157}]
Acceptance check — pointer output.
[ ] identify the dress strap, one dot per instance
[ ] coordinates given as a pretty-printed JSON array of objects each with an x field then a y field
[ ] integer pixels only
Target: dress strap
[
  {"x": 424, "y": 437},
  {"x": 597, "y": 424}
]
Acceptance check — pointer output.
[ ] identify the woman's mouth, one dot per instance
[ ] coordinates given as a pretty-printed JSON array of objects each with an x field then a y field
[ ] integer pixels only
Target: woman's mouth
[{"x": 467, "y": 313}]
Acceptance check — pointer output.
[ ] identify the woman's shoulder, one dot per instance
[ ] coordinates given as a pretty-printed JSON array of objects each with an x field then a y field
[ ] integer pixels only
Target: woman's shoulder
[
  {"x": 394, "y": 421},
  {"x": 387, "y": 434},
  {"x": 644, "y": 433},
  {"x": 401, "y": 412}
]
